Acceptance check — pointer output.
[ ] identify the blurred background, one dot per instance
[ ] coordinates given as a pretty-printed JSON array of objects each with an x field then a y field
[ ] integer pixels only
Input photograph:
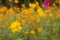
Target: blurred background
[
  {"x": 18, "y": 3},
  {"x": 29, "y": 19}
]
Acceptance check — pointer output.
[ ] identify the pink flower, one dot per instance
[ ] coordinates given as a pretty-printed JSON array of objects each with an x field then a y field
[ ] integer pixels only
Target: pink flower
[{"x": 47, "y": 3}]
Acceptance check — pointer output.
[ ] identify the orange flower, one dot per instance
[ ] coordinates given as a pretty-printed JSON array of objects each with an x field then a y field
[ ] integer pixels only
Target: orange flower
[
  {"x": 16, "y": 1},
  {"x": 23, "y": 22},
  {"x": 23, "y": 5},
  {"x": 54, "y": 30},
  {"x": 32, "y": 19},
  {"x": 30, "y": 10},
  {"x": 50, "y": 9},
  {"x": 10, "y": 11},
  {"x": 38, "y": 20},
  {"x": 40, "y": 29},
  {"x": 16, "y": 9},
  {"x": 32, "y": 32},
  {"x": 25, "y": 11},
  {"x": 3, "y": 9},
  {"x": 58, "y": 13},
  {"x": 10, "y": 0},
  {"x": 57, "y": 1},
  {"x": 58, "y": 16}
]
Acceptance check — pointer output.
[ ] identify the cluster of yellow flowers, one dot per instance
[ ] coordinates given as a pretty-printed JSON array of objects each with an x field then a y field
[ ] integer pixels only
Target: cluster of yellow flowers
[
  {"x": 27, "y": 16},
  {"x": 16, "y": 26}
]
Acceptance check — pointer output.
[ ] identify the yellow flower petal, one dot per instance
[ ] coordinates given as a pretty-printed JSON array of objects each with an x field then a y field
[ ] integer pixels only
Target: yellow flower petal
[{"x": 15, "y": 27}]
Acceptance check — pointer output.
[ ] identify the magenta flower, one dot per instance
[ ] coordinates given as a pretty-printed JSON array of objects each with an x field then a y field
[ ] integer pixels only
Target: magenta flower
[{"x": 47, "y": 4}]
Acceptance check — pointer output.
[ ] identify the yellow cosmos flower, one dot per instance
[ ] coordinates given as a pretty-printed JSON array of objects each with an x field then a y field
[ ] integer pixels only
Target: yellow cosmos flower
[
  {"x": 40, "y": 12},
  {"x": 25, "y": 11},
  {"x": 37, "y": 4},
  {"x": 32, "y": 32},
  {"x": 32, "y": 5},
  {"x": 15, "y": 27}
]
